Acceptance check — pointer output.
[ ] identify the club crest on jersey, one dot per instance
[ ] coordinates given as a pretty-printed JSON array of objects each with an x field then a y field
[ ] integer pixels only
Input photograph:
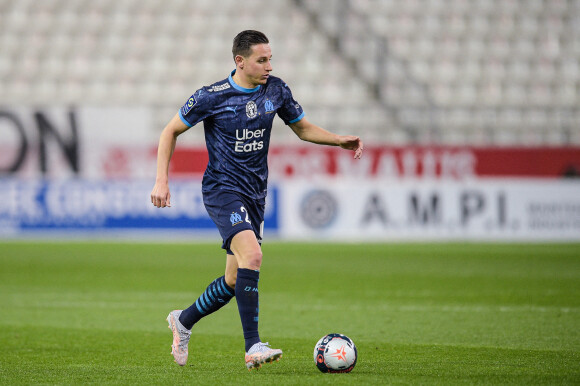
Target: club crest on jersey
[
  {"x": 269, "y": 106},
  {"x": 235, "y": 218},
  {"x": 251, "y": 109}
]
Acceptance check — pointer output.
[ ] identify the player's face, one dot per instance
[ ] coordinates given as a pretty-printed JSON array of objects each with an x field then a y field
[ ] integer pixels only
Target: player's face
[{"x": 257, "y": 66}]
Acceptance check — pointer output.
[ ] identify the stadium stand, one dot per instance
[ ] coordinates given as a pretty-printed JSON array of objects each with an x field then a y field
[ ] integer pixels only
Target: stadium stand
[{"x": 481, "y": 72}]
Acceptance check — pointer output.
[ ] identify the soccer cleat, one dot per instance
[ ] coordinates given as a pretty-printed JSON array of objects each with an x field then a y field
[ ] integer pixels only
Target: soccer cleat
[
  {"x": 260, "y": 353},
  {"x": 181, "y": 337}
]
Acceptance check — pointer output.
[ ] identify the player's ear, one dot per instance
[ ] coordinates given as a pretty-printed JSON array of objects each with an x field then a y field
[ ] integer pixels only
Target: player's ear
[{"x": 239, "y": 59}]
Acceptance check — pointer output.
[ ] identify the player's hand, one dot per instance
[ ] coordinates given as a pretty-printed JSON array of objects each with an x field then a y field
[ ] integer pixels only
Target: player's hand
[
  {"x": 351, "y": 142},
  {"x": 160, "y": 195}
]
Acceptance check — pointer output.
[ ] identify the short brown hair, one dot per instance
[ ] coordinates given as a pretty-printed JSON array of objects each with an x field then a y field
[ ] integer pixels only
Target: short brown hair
[{"x": 244, "y": 41}]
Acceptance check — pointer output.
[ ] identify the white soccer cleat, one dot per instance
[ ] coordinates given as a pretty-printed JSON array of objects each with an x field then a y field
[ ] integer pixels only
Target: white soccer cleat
[
  {"x": 181, "y": 337},
  {"x": 260, "y": 353}
]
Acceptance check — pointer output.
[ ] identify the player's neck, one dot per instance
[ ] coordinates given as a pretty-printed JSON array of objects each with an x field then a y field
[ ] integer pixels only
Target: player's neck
[{"x": 242, "y": 81}]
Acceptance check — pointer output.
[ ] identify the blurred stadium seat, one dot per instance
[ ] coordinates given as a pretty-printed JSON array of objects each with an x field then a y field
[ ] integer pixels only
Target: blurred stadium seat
[{"x": 415, "y": 71}]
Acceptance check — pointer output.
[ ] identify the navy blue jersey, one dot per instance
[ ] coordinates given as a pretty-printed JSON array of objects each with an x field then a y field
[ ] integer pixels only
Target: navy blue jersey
[{"x": 237, "y": 123}]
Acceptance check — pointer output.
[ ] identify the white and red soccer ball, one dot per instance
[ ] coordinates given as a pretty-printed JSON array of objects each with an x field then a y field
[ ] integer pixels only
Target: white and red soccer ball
[{"x": 335, "y": 353}]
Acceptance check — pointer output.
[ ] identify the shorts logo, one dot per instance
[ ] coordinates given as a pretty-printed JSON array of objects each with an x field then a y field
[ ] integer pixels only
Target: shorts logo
[
  {"x": 269, "y": 106},
  {"x": 235, "y": 218},
  {"x": 251, "y": 109}
]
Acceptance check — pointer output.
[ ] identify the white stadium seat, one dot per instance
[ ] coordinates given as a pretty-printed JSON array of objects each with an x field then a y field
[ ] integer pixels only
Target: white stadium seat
[{"x": 505, "y": 65}]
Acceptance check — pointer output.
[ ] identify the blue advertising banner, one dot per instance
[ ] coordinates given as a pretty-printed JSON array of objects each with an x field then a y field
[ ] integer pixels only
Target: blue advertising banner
[{"x": 77, "y": 205}]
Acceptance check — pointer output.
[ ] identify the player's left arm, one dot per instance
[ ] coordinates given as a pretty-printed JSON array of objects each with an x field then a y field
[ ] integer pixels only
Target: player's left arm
[{"x": 308, "y": 131}]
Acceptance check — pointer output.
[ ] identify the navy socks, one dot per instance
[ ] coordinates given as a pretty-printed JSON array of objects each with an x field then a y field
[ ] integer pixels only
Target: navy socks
[
  {"x": 216, "y": 295},
  {"x": 247, "y": 298}
]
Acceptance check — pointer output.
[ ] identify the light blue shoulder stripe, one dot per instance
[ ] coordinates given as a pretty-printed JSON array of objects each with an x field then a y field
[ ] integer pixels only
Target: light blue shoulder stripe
[
  {"x": 297, "y": 119},
  {"x": 183, "y": 119}
]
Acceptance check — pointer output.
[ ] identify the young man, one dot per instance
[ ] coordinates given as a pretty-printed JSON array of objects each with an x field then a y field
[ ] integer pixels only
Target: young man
[{"x": 237, "y": 115}]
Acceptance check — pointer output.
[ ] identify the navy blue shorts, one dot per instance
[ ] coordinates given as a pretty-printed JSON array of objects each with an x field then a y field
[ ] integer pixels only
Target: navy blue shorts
[{"x": 232, "y": 213}]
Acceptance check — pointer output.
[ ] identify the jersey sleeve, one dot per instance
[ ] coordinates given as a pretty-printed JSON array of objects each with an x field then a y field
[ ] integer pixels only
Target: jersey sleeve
[
  {"x": 290, "y": 111},
  {"x": 196, "y": 108}
]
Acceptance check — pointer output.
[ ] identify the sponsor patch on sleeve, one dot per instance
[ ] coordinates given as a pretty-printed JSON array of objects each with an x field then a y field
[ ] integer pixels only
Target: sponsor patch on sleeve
[{"x": 192, "y": 101}]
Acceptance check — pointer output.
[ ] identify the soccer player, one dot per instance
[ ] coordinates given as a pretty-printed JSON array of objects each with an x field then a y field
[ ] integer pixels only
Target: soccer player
[{"x": 237, "y": 115}]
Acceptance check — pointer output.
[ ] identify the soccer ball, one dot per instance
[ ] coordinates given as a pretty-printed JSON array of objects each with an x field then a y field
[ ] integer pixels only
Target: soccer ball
[{"x": 335, "y": 353}]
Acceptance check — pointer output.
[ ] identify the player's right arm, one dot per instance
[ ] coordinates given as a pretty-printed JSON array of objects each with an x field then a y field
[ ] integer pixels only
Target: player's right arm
[{"x": 160, "y": 195}]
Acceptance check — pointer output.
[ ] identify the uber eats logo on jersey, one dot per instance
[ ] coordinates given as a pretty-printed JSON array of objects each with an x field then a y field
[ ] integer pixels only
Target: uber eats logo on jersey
[
  {"x": 244, "y": 135},
  {"x": 243, "y": 144}
]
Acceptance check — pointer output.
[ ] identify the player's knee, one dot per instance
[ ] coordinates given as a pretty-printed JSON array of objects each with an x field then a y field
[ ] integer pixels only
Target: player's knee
[{"x": 254, "y": 259}]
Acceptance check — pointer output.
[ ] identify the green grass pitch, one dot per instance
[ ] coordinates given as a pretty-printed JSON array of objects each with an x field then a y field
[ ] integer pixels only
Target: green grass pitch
[{"x": 94, "y": 312}]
